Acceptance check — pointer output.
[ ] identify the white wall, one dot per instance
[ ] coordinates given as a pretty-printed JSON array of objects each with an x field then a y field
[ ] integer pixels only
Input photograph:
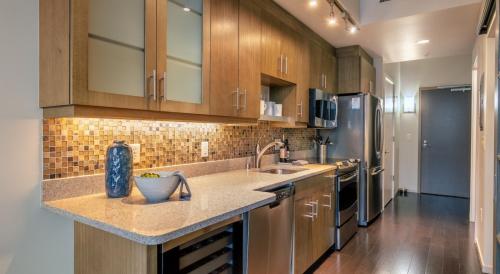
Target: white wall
[
  {"x": 31, "y": 239},
  {"x": 412, "y": 76},
  {"x": 484, "y": 151}
]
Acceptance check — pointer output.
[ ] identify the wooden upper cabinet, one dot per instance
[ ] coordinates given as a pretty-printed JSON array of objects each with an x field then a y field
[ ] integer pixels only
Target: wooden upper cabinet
[
  {"x": 249, "y": 59},
  {"x": 303, "y": 81},
  {"x": 183, "y": 56},
  {"x": 322, "y": 68},
  {"x": 279, "y": 49},
  {"x": 113, "y": 54},
  {"x": 356, "y": 72},
  {"x": 272, "y": 58},
  {"x": 128, "y": 54},
  {"x": 235, "y": 58},
  {"x": 328, "y": 66},
  {"x": 224, "y": 57},
  {"x": 315, "y": 68}
]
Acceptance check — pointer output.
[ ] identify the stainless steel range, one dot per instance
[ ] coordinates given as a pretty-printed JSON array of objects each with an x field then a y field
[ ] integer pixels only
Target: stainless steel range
[{"x": 346, "y": 219}]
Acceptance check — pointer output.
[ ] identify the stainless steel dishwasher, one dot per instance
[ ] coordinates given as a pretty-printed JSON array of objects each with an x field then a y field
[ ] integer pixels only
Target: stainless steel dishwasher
[{"x": 270, "y": 234}]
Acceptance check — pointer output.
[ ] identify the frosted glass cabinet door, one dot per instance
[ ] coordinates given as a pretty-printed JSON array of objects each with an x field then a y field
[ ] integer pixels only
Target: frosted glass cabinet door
[
  {"x": 181, "y": 55},
  {"x": 114, "y": 53},
  {"x": 116, "y": 47}
]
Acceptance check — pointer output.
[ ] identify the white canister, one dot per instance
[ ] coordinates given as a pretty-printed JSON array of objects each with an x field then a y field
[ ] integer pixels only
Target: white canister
[
  {"x": 269, "y": 110},
  {"x": 262, "y": 107},
  {"x": 278, "y": 110}
]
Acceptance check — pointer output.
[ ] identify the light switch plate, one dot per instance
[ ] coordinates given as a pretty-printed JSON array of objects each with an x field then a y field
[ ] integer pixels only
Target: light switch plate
[
  {"x": 136, "y": 151},
  {"x": 204, "y": 149}
]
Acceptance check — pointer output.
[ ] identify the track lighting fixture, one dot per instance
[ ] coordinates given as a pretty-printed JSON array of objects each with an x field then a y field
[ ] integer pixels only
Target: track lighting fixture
[
  {"x": 313, "y": 3},
  {"x": 332, "y": 20}
]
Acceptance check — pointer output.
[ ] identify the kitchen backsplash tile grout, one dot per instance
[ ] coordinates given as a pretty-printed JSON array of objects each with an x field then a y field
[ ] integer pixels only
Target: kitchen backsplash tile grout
[{"x": 77, "y": 146}]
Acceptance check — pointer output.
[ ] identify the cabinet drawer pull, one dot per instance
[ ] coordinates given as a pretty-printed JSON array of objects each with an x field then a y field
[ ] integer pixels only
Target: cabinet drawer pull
[{"x": 329, "y": 196}]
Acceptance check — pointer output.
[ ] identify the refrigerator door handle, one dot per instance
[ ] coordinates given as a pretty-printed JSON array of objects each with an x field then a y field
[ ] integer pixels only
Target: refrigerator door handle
[{"x": 376, "y": 171}]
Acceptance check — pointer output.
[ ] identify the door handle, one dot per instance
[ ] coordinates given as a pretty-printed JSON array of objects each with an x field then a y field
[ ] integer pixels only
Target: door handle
[{"x": 425, "y": 144}]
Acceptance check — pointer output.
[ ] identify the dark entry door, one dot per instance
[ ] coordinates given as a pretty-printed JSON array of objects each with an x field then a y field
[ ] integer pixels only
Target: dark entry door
[{"x": 445, "y": 141}]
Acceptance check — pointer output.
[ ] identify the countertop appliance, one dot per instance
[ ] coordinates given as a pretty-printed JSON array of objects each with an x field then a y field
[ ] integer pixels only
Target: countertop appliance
[
  {"x": 323, "y": 108},
  {"x": 346, "y": 220},
  {"x": 270, "y": 234},
  {"x": 359, "y": 136}
]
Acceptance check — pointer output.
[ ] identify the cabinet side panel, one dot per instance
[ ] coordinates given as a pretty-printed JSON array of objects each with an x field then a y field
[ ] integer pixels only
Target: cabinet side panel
[
  {"x": 99, "y": 252},
  {"x": 54, "y": 53}
]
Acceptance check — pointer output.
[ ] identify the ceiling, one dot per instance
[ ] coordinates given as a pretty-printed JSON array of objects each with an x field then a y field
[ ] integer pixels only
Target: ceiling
[{"x": 451, "y": 31}]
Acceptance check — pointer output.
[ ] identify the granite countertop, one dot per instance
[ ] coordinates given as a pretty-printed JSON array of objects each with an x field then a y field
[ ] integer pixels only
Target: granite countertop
[{"x": 216, "y": 197}]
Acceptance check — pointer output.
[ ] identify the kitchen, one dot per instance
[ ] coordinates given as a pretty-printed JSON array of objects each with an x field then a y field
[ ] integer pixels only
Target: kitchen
[{"x": 210, "y": 99}]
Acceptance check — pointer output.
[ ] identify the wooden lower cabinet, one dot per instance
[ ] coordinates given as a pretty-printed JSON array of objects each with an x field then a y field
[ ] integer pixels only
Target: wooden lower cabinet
[
  {"x": 314, "y": 220},
  {"x": 218, "y": 248}
]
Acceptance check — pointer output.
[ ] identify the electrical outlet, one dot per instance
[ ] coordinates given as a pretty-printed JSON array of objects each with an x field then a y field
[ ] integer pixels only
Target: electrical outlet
[
  {"x": 136, "y": 151},
  {"x": 204, "y": 149}
]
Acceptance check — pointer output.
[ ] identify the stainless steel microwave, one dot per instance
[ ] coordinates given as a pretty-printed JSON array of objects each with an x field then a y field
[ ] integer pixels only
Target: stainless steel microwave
[{"x": 323, "y": 109}]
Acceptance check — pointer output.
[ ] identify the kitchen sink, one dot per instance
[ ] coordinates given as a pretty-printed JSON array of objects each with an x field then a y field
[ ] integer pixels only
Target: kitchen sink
[{"x": 282, "y": 170}]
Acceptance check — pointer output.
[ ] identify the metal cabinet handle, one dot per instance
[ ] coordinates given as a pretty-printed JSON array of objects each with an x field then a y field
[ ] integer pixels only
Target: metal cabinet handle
[
  {"x": 163, "y": 80},
  {"x": 286, "y": 65},
  {"x": 237, "y": 93},
  {"x": 281, "y": 63},
  {"x": 312, "y": 214},
  {"x": 329, "y": 196},
  {"x": 153, "y": 77},
  {"x": 244, "y": 104},
  {"x": 315, "y": 203},
  {"x": 299, "y": 107}
]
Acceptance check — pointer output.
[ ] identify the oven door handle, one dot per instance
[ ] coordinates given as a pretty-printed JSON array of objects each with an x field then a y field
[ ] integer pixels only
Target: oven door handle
[{"x": 348, "y": 179}]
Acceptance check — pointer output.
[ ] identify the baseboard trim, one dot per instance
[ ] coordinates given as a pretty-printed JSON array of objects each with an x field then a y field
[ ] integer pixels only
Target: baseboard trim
[{"x": 484, "y": 268}]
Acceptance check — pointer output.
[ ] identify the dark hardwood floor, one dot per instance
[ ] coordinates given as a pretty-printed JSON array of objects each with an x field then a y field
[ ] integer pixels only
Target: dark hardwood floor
[{"x": 415, "y": 234}]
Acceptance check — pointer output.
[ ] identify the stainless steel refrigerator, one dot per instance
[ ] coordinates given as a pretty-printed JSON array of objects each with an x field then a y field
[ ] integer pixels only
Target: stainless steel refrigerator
[{"x": 359, "y": 135}]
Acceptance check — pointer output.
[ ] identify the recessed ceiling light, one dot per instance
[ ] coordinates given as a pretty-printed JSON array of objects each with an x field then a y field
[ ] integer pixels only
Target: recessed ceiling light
[
  {"x": 425, "y": 41},
  {"x": 186, "y": 9},
  {"x": 313, "y": 3}
]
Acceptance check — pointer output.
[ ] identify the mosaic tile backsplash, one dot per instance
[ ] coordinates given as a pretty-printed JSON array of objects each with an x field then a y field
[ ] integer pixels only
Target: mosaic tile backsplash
[{"x": 77, "y": 146}]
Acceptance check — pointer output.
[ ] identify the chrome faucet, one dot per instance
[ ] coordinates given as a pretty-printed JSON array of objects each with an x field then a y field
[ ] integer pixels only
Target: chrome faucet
[{"x": 259, "y": 153}]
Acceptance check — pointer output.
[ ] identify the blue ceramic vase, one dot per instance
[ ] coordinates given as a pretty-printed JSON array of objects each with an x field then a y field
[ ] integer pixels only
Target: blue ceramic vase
[{"x": 119, "y": 167}]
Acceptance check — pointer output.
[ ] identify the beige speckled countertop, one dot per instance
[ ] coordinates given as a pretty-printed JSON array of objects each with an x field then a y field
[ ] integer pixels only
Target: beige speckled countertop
[{"x": 216, "y": 197}]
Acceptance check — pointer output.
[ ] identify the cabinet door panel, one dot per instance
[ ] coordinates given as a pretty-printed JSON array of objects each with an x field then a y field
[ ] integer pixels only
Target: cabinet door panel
[
  {"x": 303, "y": 81},
  {"x": 315, "y": 73},
  {"x": 289, "y": 51},
  {"x": 349, "y": 74},
  {"x": 272, "y": 61},
  {"x": 111, "y": 41},
  {"x": 328, "y": 69},
  {"x": 303, "y": 235},
  {"x": 183, "y": 56},
  {"x": 324, "y": 229},
  {"x": 366, "y": 75},
  {"x": 224, "y": 57},
  {"x": 249, "y": 58}
]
